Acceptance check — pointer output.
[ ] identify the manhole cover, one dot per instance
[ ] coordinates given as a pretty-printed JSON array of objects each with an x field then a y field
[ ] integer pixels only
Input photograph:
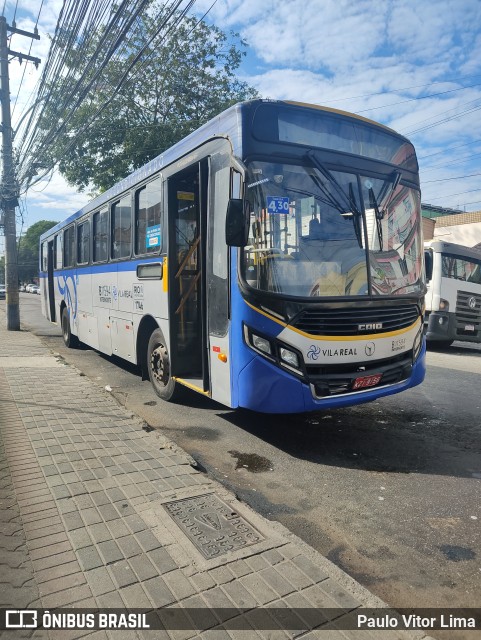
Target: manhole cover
[{"x": 212, "y": 525}]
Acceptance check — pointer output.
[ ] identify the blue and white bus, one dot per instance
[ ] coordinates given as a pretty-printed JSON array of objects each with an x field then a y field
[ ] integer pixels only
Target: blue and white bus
[{"x": 271, "y": 260}]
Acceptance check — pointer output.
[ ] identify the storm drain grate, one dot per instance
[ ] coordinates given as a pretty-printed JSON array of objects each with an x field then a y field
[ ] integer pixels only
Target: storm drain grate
[{"x": 212, "y": 525}]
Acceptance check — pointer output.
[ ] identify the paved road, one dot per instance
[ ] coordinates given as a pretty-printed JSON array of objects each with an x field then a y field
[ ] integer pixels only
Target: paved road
[{"x": 389, "y": 491}]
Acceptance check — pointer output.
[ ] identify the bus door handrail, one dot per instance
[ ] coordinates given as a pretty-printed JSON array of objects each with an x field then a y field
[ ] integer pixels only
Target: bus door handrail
[
  {"x": 187, "y": 294},
  {"x": 194, "y": 246}
]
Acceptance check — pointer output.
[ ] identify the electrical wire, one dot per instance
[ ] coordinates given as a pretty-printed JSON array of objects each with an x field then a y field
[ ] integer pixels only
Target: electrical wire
[
  {"x": 454, "y": 178},
  {"x": 168, "y": 28},
  {"x": 451, "y": 195},
  {"x": 389, "y": 91},
  {"x": 25, "y": 67},
  {"x": 431, "y": 95}
]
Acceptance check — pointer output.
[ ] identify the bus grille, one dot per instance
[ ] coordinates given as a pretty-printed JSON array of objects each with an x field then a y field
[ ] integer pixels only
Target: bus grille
[
  {"x": 466, "y": 316},
  {"x": 337, "y": 379},
  {"x": 358, "y": 321}
]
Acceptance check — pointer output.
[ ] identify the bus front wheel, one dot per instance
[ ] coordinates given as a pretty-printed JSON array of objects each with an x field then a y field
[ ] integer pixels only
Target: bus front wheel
[
  {"x": 158, "y": 363},
  {"x": 69, "y": 339}
]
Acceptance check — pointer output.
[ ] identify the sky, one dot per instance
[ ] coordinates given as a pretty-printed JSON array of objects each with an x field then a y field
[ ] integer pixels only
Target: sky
[{"x": 413, "y": 65}]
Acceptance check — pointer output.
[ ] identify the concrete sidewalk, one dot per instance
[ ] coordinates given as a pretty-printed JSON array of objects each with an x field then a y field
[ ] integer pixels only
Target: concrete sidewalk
[{"x": 98, "y": 511}]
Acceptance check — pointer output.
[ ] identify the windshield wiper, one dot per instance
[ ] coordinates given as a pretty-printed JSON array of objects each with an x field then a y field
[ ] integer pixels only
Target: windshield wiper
[
  {"x": 378, "y": 215},
  {"x": 374, "y": 203},
  {"x": 350, "y": 200}
]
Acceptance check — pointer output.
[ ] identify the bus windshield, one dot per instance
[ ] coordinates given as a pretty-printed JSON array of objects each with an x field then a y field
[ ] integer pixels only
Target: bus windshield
[{"x": 320, "y": 232}]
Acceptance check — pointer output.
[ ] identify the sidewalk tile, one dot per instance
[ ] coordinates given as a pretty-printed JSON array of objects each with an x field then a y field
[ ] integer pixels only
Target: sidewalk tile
[
  {"x": 100, "y": 581},
  {"x": 53, "y": 561},
  {"x": 135, "y": 597},
  {"x": 123, "y": 574},
  {"x": 110, "y": 551},
  {"x": 89, "y": 558},
  {"x": 158, "y": 592},
  {"x": 142, "y": 567},
  {"x": 67, "y": 597}
]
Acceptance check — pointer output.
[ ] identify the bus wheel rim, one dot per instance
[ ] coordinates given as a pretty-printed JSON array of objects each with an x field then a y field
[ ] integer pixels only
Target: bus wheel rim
[{"x": 159, "y": 365}]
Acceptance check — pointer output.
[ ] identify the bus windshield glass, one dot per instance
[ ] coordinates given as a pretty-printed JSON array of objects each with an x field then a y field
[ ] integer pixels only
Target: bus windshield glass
[
  {"x": 319, "y": 232},
  {"x": 324, "y": 130}
]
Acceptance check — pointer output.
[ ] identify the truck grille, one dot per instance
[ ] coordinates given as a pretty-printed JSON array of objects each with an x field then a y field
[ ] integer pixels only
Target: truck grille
[
  {"x": 348, "y": 322},
  {"x": 466, "y": 315}
]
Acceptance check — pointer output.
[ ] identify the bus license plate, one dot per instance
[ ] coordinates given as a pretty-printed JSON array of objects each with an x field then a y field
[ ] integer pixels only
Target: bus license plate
[
  {"x": 367, "y": 381},
  {"x": 469, "y": 327}
]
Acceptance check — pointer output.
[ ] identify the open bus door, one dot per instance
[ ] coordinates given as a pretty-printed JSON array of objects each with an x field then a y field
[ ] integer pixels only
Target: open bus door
[
  {"x": 187, "y": 196},
  {"x": 50, "y": 281}
]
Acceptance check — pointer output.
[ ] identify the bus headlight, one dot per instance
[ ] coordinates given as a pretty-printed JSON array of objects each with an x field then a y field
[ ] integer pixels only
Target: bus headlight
[
  {"x": 261, "y": 343},
  {"x": 289, "y": 357},
  {"x": 276, "y": 351}
]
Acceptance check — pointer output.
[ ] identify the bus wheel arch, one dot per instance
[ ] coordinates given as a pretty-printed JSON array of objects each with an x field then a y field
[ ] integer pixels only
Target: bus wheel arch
[
  {"x": 69, "y": 339},
  {"x": 158, "y": 364},
  {"x": 146, "y": 327}
]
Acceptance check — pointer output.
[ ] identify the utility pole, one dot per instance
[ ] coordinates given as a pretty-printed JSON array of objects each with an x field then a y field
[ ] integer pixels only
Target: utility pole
[{"x": 8, "y": 186}]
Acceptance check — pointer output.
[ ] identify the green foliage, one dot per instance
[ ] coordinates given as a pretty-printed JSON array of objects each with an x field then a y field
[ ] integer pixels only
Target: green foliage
[
  {"x": 28, "y": 250},
  {"x": 184, "y": 81}
]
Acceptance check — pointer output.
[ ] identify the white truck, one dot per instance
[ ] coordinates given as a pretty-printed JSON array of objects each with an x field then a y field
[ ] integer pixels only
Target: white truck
[{"x": 453, "y": 298}]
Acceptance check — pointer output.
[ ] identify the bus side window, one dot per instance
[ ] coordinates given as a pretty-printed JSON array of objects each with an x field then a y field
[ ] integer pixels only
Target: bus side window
[
  {"x": 44, "y": 258},
  {"x": 121, "y": 230},
  {"x": 100, "y": 236},
  {"x": 68, "y": 246},
  {"x": 83, "y": 242},
  {"x": 148, "y": 232},
  {"x": 58, "y": 251}
]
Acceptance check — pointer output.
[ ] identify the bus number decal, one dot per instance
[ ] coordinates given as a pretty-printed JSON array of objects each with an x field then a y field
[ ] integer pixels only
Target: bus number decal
[
  {"x": 277, "y": 204},
  {"x": 105, "y": 293},
  {"x": 138, "y": 291}
]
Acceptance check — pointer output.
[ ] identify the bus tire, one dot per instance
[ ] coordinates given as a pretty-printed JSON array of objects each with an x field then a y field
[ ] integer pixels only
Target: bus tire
[
  {"x": 69, "y": 339},
  {"x": 158, "y": 365}
]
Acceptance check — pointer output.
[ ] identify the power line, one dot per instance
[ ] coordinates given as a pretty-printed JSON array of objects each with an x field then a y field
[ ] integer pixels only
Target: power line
[
  {"x": 451, "y": 195},
  {"x": 417, "y": 86},
  {"x": 431, "y": 95},
  {"x": 459, "y": 161},
  {"x": 167, "y": 25},
  {"x": 29, "y": 52},
  {"x": 455, "y": 178},
  {"x": 448, "y": 149},
  {"x": 435, "y": 124}
]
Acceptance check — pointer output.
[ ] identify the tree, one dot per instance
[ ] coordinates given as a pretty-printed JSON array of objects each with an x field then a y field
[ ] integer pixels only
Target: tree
[
  {"x": 185, "y": 80},
  {"x": 28, "y": 250}
]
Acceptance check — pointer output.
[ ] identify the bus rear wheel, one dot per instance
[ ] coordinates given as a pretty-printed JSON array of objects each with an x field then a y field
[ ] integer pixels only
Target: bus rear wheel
[
  {"x": 158, "y": 363},
  {"x": 69, "y": 339}
]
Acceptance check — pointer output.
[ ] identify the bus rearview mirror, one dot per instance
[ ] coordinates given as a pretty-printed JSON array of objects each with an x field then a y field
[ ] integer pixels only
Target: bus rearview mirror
[
  {"x": 236, "y": 223},
  {"x": 428, "y": 261}
]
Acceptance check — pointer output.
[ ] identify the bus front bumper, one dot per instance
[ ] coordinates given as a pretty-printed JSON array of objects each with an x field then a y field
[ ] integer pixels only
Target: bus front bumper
[{"x": 265, "y": 388}]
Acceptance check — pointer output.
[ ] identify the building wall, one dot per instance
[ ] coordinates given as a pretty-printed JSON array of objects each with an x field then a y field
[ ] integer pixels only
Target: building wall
[{"x": 462, "y": 229}]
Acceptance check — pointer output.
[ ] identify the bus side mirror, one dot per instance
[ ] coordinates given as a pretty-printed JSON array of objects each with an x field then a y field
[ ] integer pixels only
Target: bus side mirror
[
  {"x": 236, "y": 223},
  {"x": 428, "y": 261}
]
